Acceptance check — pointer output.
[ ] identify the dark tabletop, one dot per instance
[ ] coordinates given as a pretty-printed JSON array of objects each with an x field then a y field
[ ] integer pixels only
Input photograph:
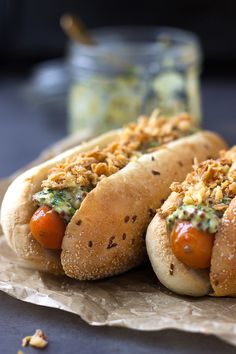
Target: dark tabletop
[{"x": 27, "y": 127}]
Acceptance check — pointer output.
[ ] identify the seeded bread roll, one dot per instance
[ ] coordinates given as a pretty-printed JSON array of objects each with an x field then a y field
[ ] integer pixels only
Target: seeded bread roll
[
  {"x": 106, "y": 234},
  {"x": 170, "y": 271},
  {"x": 219, "y": 280},
  {"x": 17, "y": 209}
]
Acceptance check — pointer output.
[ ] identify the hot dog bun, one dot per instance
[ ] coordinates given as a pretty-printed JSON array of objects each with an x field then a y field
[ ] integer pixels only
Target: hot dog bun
[
  {"x": 170, "y": 271},
  {"x": 105, "y": 236},
  {"x": 17, "y": 209},
  {"x": 130, "y": 193},
  {"x": 219, "y": 280},
  {"x": 223, "y": 260}
]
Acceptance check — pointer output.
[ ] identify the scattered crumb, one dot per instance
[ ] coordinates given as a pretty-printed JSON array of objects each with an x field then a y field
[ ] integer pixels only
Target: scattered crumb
[
  {"x": 38, "y": 340},
  {"x": 25, "y": 341}
]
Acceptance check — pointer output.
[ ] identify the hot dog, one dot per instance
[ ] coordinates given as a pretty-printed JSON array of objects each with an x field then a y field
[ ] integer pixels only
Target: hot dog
[
  {"x": 191, "y": 241},
  {"x": 85, "y": 212}
]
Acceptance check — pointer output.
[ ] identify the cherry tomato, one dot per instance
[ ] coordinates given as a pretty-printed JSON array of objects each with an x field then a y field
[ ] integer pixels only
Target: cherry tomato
[
  {"x": 47, "y": 227},
  {"x": 191, "y": 246}
]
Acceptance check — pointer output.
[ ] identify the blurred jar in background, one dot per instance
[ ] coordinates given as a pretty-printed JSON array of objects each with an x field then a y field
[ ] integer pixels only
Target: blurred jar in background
[{"x": 131, "y": 71}]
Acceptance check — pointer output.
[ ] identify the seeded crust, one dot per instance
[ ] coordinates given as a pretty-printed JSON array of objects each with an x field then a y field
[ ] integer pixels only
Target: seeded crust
[
  {"x": 184, "y": 280},
  {"x": 170, "y": 271},
  {"x": 17, "y": 209},
  {"x": 106, "y": 235},
  {"x": 223, "y": 261}
]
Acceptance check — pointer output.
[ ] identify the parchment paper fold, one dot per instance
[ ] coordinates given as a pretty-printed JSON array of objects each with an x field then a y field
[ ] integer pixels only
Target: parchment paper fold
[{"x": 134, "y": 300}]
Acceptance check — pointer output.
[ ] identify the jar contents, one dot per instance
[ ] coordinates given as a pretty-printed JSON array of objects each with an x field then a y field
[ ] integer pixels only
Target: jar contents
[{"x": 118, "y": 80}]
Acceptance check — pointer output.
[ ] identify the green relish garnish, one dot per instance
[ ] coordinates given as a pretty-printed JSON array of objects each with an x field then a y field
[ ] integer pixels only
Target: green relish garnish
[{"x": 202, "y": 217}]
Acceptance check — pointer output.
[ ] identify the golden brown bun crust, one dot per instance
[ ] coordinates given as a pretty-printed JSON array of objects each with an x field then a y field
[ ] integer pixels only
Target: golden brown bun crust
[
  {"x": 17, "y": 210},
  {"x": 170, "y": 271},
  {"x": 223, "y": 261},
  {"x": 105, "y": 236}
]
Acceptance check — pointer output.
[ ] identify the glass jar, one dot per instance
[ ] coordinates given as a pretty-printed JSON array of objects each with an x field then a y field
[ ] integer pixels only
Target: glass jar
[{"x": 131, "y": 71}]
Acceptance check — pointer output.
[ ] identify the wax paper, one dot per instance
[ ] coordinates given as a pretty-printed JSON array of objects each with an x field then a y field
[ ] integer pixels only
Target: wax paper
[{"x": 135, "y": 299}]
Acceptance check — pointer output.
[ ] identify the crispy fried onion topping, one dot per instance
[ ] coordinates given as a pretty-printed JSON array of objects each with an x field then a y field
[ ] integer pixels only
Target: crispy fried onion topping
[
  {"x": 212, "y": 182},
  {"x": 88, "y": 168}
]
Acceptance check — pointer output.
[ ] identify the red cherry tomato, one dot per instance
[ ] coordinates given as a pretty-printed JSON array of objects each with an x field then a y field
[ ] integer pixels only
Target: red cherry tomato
[
  {"x": 191, "y": 246},
  {"x": 47, "y": 227}
]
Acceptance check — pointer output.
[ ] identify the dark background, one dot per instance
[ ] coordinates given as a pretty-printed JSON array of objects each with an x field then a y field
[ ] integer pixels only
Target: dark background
[{"x": 30, "y": 32}]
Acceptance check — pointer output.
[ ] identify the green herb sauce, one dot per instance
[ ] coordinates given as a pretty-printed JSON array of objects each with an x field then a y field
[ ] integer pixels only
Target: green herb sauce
[
  {"x": 202, "y": 217},
  {"x": 65, "y": 202}
]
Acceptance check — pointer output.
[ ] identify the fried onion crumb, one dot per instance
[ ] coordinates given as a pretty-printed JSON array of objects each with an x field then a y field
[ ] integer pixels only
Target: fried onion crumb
[
  {"x": 212, "y": 182},
  {"x": 37, "y": 340},
  {"x": 88, "y": 168}
]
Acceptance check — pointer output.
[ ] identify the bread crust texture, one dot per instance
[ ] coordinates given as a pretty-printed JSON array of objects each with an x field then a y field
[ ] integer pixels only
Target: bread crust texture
[
  {"x": 106, "y": 235},
  {"x": 223, "y": 260},
  {"x": 219, "y": 280},
  {"x": 170, "y": 271},
  {"x": 17, "y": 209}
]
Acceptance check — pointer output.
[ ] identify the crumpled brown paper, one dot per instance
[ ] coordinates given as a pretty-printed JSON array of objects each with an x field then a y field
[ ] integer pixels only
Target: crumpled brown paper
[{"x": 134, "y": 300}]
